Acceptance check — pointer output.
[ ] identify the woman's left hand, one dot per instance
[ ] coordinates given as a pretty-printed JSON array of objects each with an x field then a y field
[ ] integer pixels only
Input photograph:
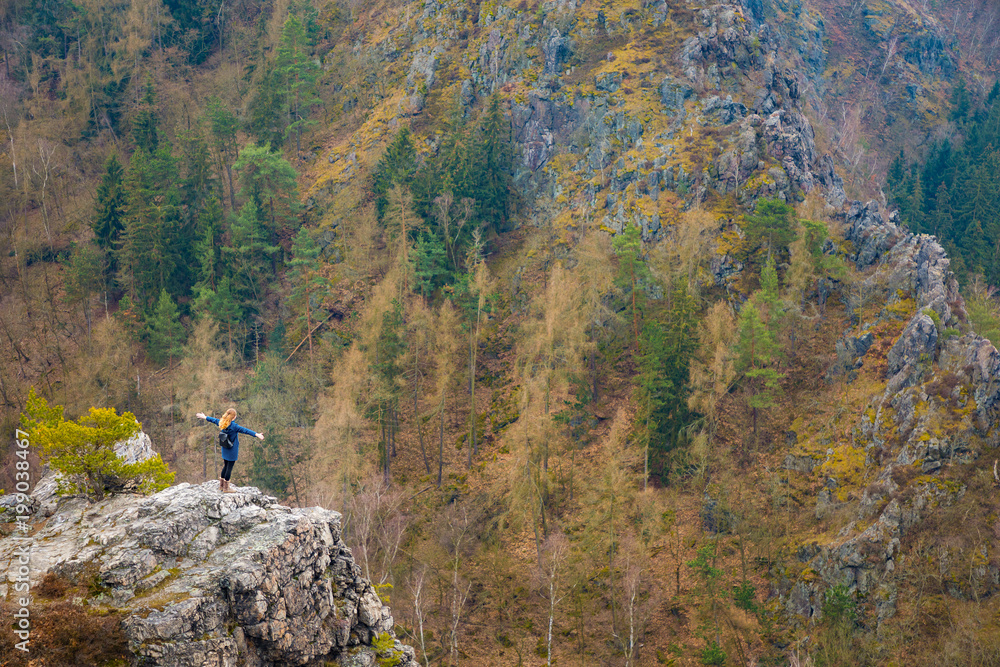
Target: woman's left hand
[{"x": 260, "y": 436}]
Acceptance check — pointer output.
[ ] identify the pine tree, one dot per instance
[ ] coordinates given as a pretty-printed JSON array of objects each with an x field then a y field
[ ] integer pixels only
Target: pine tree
[
  {"x": 494, "y": 162},
  {"x": 224, "y": 126},
  {"x": 83, "y": 450},
  {"x": 86, "y": 276},
  {"x": 769, "y": 228},
  {"x": 299, "y": 73},
  {"x": 895, "y": 176},
  {"x": 269, "y": 181},
  {"x": 145, "y": 258},
  {"x": 756, "y": 353},
  {"x": 667, "y": 345},
  {"x": 631, "y": 271},
  {"x": 267, "y": 110},
  {"x": 248, "y": 259},
  {"x": 207, "y": 246},
  {"x": 307, "y": 282},
  {"x": 144, "y": 128},
  {"x": 198, "y": 185},
  {"x": 110, "y": 210},
  {"x": 220, "y": 306},
  {"x": 276, "y": 399},
  {"x": 389, "y": 348},
  {"x": 164, "y": 330},
  {"x": 428, "y": 264},
  {"x": 396, "y": 166},
  {"x": 941, "y": 220},
  {"x": 960, "y": 101}
]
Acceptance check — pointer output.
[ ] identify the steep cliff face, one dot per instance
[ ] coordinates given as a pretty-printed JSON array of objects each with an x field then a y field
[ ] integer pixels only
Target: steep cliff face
[
  {"x": 916, "y": 446},
  {"x": 205, "y": 578},
  {"x": 619, "y": 115}
]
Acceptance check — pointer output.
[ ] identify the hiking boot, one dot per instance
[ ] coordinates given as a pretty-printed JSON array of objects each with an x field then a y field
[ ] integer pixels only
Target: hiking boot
[
  {"x": 227, "y": 489},
  {"x": 222, "y": 485}
]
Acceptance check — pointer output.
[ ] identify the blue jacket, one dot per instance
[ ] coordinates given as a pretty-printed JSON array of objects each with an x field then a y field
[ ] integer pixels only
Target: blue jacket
[{"x": 233, "y": 430}]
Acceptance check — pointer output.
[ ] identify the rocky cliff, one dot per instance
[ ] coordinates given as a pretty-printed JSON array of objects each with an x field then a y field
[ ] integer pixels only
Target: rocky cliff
[
  {"x": 913, "y": 452},
  {"x": 199, "y": 577},
  {"x": 699, "y": 105}
]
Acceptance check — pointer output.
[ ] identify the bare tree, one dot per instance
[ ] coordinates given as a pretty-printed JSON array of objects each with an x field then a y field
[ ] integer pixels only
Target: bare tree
[
  {"x": 456, "y": 538},
  {"x": 375, "y": 527},
  {"x": 419, "y": 612},
  {"x": 554, "y": 555}
]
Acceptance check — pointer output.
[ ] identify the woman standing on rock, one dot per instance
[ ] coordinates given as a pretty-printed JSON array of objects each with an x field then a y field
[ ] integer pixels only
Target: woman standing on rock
[{"x": 229, "y": 454}]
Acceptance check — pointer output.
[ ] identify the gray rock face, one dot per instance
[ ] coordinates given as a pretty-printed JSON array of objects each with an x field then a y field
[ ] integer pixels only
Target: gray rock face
[
  {"x": 915, "y": 346},
  {"x": 942, "y": 395},
  {"x": 205, "y": 578},
  {"x": 556, "y": 50},
  {"x": 608, "y": 82},
  {"x": 717, "y": 111},
  {"x": 423, "y": 66},
  {"x": 673, "y": 93}
]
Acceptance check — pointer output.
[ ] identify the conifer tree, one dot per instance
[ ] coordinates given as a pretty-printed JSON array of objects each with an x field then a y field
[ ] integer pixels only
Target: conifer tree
[
  {"x": 428, "y": 264},
  {"x": 145, "y": 130},
  {"x": 480, "y": 287},
  {"x": 494, "y": 161},
  {"x": 631, "y": 271},
  {"x": 942, "y": 219},
  {"x": 109, "y": 216},
  {"x": 402, "y": 224},
  {"x": 389, "y": 347},
  {"x": 769, "y": 228},
  {"x": 307, "y": 282},
  {"x": 447, "y": 346},
  {"x": 267, "y": 109},
  {"x": 960, "y": 101},
  {"x": 396, "y": 166},
  {"x": 164, "y": 330},
  {"x": 248, "y": 259},
  {"x": 219, "y": 305},
  {"x": 224, "y": 126},
  {"x": 756, "y": 354},
  {"x": 207, "y": 245},
  {"x": 274, "y": 396},
  {"x": 83, "y": 450},
  {"x": 145, "y": 259},
  {"x": 269, "y": 181},
  {"x": 299, "y": 73},
  {"x": 667, "y": 345},
  {"x": 198, "y": 185},
  {"x": 85, "y": 276}
]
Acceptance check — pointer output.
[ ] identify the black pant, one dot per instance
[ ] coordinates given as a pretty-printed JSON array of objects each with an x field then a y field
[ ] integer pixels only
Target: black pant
[{"x": 227, "y": 470}]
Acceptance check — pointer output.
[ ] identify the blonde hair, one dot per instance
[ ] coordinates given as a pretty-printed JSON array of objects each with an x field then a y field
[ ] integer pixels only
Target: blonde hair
[{"x": 227, "y": 419}]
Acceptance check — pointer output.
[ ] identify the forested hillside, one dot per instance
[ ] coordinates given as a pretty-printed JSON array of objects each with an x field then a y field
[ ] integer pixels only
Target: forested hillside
[{"x": 568, "y": 306}]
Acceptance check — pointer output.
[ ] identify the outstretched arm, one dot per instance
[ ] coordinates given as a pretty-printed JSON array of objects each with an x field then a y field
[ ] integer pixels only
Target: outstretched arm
[
  {"x": 253, "y": 434},
  {"x": 200, "y": 415}
]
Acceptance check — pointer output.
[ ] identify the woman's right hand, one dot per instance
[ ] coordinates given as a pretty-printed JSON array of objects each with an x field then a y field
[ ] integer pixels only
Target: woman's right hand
[{"x": 200, "y": 415}]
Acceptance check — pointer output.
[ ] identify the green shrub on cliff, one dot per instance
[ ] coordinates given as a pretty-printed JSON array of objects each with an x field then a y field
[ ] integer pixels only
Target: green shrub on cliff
[{"x": 84, "y": 450}]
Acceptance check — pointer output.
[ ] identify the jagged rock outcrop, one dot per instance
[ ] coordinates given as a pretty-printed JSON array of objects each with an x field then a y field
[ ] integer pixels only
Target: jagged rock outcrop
[
  {"x": 206, "y": 578},
  {"x": 937, "y": 409}
]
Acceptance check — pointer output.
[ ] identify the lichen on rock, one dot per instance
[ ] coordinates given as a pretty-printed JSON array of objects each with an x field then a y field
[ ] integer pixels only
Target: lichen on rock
[{"x": 206, "y": 578}]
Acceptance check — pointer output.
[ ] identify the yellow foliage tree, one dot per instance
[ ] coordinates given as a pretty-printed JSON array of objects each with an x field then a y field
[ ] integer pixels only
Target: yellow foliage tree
[{"x": 84, "y": 450}]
